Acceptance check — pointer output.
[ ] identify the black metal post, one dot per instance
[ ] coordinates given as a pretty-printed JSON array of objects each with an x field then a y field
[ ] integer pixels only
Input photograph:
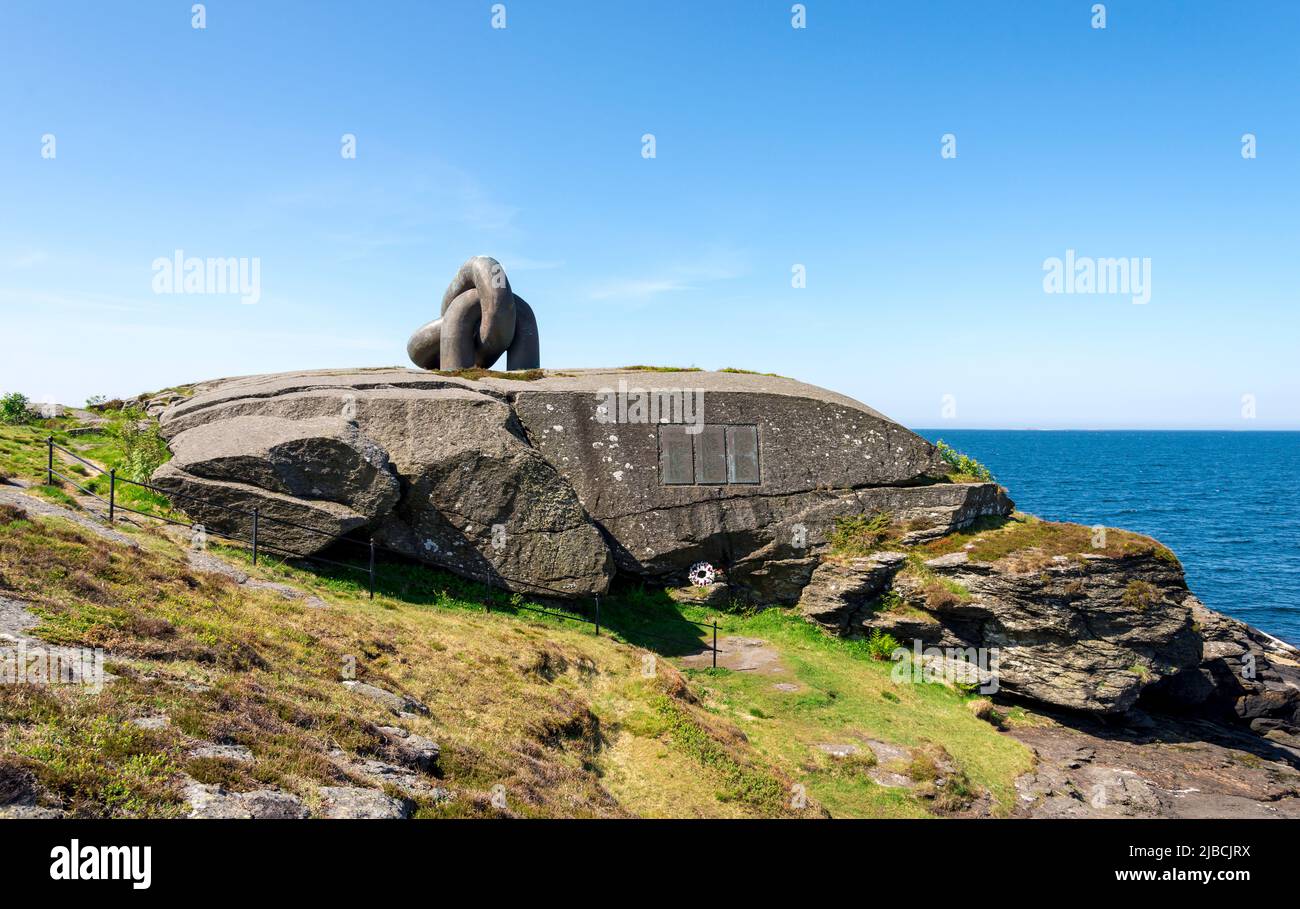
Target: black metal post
[
  {"x": 597, "y": 616},
  {"x": 112, "y": 494},
  {"x": 255, "y": 513},
  {"x": 49, "y": 463},
  {"x": 372, "y": 568},
  {"x": 715, "y": 643}
]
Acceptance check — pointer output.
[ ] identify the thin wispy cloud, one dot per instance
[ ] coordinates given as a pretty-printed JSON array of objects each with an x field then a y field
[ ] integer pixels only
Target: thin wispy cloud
[
  {"x": 401, "y": 205},
  {"x": 636, "y": 288},
  {"x": 25, "y": 258},
  {"x": 711, "y": 268},
  {"x": 43, "y": 301}
]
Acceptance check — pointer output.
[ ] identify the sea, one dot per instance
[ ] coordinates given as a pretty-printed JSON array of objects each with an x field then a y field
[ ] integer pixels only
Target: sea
[{"x": 1224, "y": 502}]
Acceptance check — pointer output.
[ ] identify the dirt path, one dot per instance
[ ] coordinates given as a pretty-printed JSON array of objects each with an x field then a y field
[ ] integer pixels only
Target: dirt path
[
  {"x": 35, "y": 505},
  {"x": 741, "y": 655}
]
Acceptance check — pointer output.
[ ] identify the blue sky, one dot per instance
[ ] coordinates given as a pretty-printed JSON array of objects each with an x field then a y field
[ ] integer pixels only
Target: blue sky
[{"x": 774, "y": 147}]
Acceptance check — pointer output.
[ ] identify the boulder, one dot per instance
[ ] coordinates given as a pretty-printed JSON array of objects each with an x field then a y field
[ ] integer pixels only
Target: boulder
[
  {"x": 840, "y": 590},
  {"x": 778, "y": 558},
  {"x": 416, "y": 750},
  {"x": 286, "y": 524},
  {"x": 213, "y": 802},
  {"x": 1087, "y": 632},
  {"x": 548, "y": 485},
  {"x": 354, "y": 802},
  {"x": 467, "y": 492},
  {"x": 319, "y": 459},
  {"x": 399, "y": 704},
  {"x": 1244, "y": 674},
  {"x": 813, "y": 451}
]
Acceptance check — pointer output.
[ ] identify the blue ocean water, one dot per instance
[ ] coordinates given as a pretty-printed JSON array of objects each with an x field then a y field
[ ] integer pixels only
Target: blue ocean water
[{"x": 1225, "y": 502}]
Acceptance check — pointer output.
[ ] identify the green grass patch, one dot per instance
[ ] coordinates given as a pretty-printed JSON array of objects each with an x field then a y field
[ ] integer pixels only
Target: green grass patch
[
  {"x": 849, "y": 696},
  {"x": 739, "y": 782},
  {"x": 751, "y": 372},
  {"x": 991, "y": 539},
  {"x": 855, "y": 536},
  {"x": 963, "y": 468},
  {"x": 662, "y": 368},
  {"x": 475, "y": 373},
  {"x": 567, "y": 721},
  {"x": 1140, "y": 595}
]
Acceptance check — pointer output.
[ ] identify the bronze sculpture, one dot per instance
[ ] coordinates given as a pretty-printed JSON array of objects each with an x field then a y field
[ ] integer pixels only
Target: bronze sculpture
[{"x": 481, "y": 318}]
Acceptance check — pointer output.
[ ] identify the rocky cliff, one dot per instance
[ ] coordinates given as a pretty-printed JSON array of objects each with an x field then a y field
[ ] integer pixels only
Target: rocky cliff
[
  {"x": 548, "y": 485},
  {"x": 553, "y": 482}
]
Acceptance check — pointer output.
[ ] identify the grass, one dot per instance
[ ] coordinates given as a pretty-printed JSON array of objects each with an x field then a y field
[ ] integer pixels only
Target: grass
[
  {"x": 848, "y": 696},
  {"x": 1140, "y": 595},
  {"x": 22, "y": 447},
  {"x": 1037, "y": 542},
  {"x": 518, "y": 699},
  {"x": 963, "y": 468},
  {"x": 739, "y": 781},
  {"x": 661, "y": 368},
  {"x": 938, "y": 592},
  {"x": 751, "y": 372},
  {"x": 23, "y": 456},
  {"x": 475, "y": 373},
  {"x": 891, "y": 602},
  {"x": 855, "y": 536},
  {"x": 566, "y": 721}
]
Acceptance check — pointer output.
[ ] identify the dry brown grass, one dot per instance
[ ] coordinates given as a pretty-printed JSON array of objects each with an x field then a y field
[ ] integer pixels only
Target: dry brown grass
[
  {"x": 531, "y": 705},
  {"x": 475, "y": 373},
  {"x": 1033, "y": 544}
]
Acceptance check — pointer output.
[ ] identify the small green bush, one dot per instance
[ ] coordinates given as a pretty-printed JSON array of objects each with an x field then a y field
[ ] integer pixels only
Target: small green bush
[
  {"x": 881, "y": 645},
  {"x": 14, "y": 409},
  {"x": 1140, "y": 595},
  {"x": 144, "y": 449},
  {"x": 859, "y": 535},
  {"x": 965, "y": 469}
]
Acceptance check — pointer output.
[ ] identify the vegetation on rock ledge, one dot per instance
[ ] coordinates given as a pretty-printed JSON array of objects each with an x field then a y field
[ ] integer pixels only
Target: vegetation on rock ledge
[
  {"x": 1035, "y": 541},
  {"x": 860, "y": 535},
  {"x": 475, "y": 373},
  {"x": 965, "y": 469}
]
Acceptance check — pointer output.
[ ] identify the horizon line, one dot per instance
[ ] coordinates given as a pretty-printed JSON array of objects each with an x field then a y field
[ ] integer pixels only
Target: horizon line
[{"x": 1100, "y": 429}]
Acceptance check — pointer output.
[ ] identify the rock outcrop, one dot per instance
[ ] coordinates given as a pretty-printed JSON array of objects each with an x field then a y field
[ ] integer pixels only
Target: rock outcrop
[
  {"x": 552, "y": 482},
  {"x": 840, "y": 591},
  {"x": 1243, "y": 674},
  {"x": 550, "y": 485},
  {"x": 1061, "y": 621},
  {"x": 433, "y": 469},
  {"x": 1088, "y": 633}
]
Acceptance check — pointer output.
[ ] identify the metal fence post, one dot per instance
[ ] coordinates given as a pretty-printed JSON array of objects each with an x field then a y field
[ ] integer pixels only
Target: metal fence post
[
  {"x": 372, "y": 568},
  {"x": 49, "y": 462},
  {"x": 715, "y": 643},
  {"x": 112, "y": 494},
  {"x": 255, "y": 514},
  {"x": 598, "y": 616}
]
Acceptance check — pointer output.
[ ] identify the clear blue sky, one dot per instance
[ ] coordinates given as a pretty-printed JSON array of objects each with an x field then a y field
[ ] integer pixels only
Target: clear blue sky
[{"x": 775, "y": 146}]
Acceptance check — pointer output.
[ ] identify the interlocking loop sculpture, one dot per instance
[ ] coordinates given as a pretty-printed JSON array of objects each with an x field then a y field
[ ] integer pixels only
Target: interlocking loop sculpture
[{"x": 481, "y": 319}]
